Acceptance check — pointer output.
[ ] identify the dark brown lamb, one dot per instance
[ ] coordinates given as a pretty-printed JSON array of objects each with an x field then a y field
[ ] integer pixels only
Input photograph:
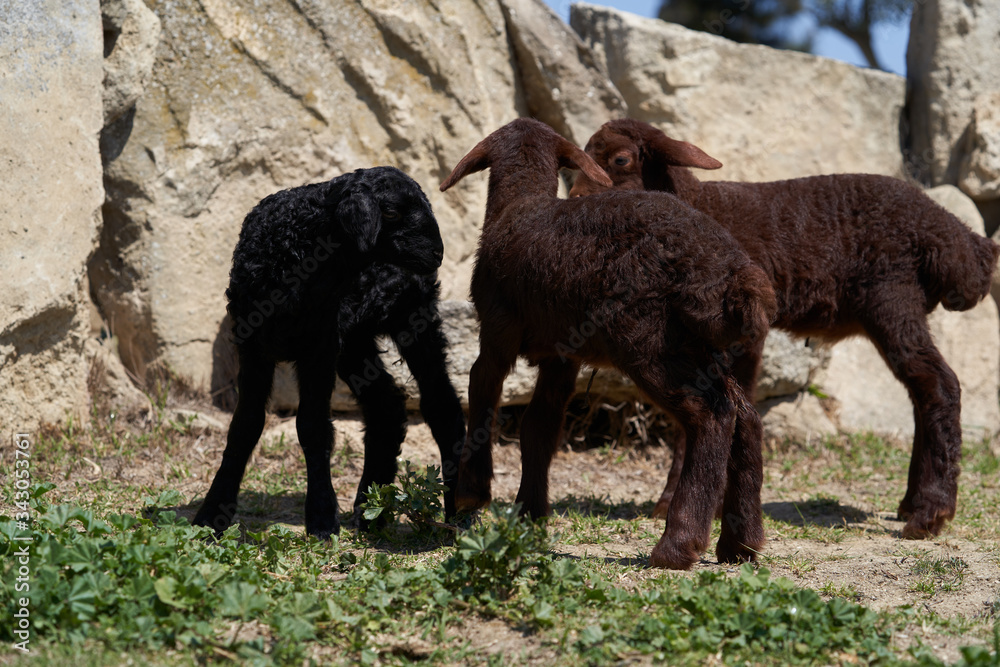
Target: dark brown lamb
[
  {"x": 650, "y": 287},
  {"x": 848, "y": 254}
]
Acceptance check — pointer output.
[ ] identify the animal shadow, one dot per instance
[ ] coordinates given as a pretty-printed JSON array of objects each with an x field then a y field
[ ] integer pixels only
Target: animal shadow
[
  {"x": 821, "y": 512},
  {"x": 602, "y": 506}
]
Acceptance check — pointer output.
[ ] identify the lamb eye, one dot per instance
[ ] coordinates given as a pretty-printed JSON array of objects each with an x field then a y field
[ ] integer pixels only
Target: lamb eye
[
  {"x": 391, "y": 215},
  {"x": 621, "y": 161}
]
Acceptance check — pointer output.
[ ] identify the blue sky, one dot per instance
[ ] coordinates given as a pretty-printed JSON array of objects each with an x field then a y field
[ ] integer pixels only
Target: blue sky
[{"x": 890, "y": 40}]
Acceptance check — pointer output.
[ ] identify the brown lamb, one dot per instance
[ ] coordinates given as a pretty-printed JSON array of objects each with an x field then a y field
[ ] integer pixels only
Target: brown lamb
[
  {"x": 644, "y": 284},
  {"x": 847, "y": 254}
]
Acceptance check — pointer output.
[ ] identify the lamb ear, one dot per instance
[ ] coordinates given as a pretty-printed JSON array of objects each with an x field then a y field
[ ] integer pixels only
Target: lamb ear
[
  {"x": 477, "y": 160},
  {"x": 571, "y": 157},
  {"x": 679, "y": 153},
  {"x": 359, "y": 216}
]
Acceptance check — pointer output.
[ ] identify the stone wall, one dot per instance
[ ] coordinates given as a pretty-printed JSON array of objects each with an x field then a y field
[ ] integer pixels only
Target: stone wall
[
  {"x": 951, "y": 128},
  {"x": 50, "y": 184},
  {"x": 203, "y": 107},
  {"x": 765, "y": 114}
]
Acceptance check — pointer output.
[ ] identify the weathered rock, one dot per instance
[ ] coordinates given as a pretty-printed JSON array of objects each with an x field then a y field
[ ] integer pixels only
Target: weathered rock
[
  {"x": 870, "y": 398},
  {"x": 131, "y": 33},
  {"x": 952, "y": 58},
  {"x": 251, "y": 97},
  {"x": 788, "y": 365},
  {"x": 563, "y": 84},
  {"x": 788, "y": 368},
  {"x": 798, "y": 418},
  {"x": 112, "y": 390},
  {"x": 766, "y": 114},
  {"x": 461, "y": 329},
  {"x": 979, "y": 175},
  {"x": 50, "y": 185}
]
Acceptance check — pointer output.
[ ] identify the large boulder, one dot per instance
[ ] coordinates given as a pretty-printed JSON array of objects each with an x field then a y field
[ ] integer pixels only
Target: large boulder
[
  {"x": 951, "y": 60},
  {"x": 979, "y": 175},
  {"x": 788, "y": 365},
  {"x": 564, "y": 85},
  {"x": 870, "y": 398},
  {"x": 50, "y": 186},
  {"x": 248, "y": 98},
  {"x": 765, "y": 114},
  {"x": 799, "y": 418}
]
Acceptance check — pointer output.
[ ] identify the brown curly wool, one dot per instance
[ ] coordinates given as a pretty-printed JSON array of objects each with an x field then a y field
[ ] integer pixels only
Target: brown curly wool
[
  {"x": 848, "y": 254},
  {"x": 644, "y": 284}
]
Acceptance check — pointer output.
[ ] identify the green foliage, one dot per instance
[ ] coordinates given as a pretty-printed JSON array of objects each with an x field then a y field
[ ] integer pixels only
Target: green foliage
[
  {"x": 157, "y": 581},
  {"x": 153, "y": 585},
  {"x": 492, "y": 558},
  {"x": 749, "y": 618},
  {"x": 982, "y": 656},
  {"x": 418, "y": 497}
]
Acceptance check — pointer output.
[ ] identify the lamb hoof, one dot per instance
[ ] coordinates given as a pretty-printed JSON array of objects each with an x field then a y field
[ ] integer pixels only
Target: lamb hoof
[
  {"x": 905, "y": 510},
  {"x": 923, "y": 523},
  {"x": 469, "y": 497},
  {"x": 735, "y": 553},
  {"x": 670, "y": 557},
  {"x": 324, "y": 529},
  {"x": 218, "y": 520},
  {"x": 470, "y": 502},
  {"x": 915, "y": 529}
]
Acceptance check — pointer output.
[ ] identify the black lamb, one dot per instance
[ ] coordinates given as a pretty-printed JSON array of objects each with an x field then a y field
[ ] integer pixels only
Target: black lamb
[{"x": 318, "y": 272}]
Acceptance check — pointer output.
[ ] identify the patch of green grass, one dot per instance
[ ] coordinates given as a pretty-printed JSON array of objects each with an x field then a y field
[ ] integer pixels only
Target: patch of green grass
[
  {"x": 155, "y": 585},
  {"x": 846, "y": 592},
  {"x": 862, "y": 455},
  {"x": 938, "y": 575},
  {"x": 583, "y": 529},
  {"x": 979, "y": 458},
  {"x": 798, "y": 564}
]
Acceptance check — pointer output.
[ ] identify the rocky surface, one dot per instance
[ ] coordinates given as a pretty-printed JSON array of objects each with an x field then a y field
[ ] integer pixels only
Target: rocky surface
[
  {"x": 766, "y": 114},
  {"x": 951, "y": 61},
  {"x": 799, "y": 417},
  {"x": 249, "y": 98},
  {"x": 979, "y": 173},
  {"x": 131, "y": 34},
  {"x": 210, "y": 105},
  {"x": 564, "y": 85},
  {"x": 50, "y": 185}
]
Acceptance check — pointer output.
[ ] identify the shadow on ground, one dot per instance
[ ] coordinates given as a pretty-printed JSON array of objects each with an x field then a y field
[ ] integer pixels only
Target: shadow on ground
[
  {"x": 602, "y": 506},
  {"x": 822, "y": 512}
]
